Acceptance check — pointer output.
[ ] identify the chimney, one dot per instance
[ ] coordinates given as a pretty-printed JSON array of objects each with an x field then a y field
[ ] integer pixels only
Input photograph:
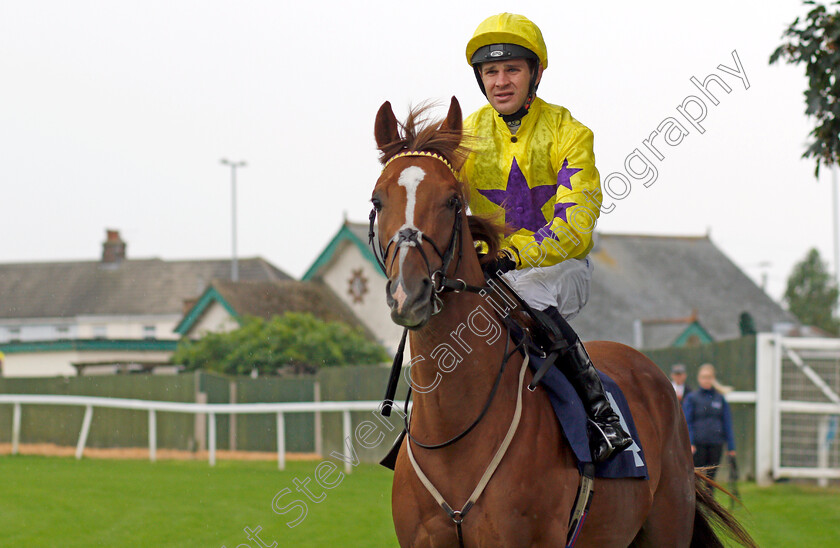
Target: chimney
[{"x": 113, "y": 248}]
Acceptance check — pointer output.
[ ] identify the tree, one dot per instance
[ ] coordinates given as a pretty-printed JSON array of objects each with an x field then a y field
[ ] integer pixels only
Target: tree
[
  {"x": 292, "y": 342},
  {"x": 811, "y": 293},
  {"x": 816, "y": 43},
  {"x": 747, "y": 324}
]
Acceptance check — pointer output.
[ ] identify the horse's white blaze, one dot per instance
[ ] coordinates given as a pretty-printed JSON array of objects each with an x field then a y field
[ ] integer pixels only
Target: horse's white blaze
[
  {"x": 399, "y": 295},
  {"x": 403, "y": 253},
  {"x": 410, "y": 179}
]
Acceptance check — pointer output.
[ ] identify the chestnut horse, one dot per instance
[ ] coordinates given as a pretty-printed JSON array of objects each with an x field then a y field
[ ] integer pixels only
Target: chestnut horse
[{"x": 421, "y": 207}]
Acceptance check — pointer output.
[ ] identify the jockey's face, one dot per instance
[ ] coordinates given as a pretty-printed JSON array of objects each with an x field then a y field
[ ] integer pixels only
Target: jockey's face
[{"x": 507, "y": 84}]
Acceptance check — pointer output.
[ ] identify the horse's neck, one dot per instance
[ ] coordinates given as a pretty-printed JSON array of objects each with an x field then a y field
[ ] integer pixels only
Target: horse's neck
[{"x": 456, "y": 358}]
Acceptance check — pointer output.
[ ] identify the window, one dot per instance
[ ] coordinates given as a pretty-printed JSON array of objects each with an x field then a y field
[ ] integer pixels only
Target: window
[
  {"x": 63, "y": 331},
  {"x": 148, "y": 331},
  {"x": 14, "y": 334},
  {"x": 100, "y": 331}
]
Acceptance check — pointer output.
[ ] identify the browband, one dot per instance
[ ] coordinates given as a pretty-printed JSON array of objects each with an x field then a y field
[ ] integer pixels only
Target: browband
[{"x": 424, "y": 154}]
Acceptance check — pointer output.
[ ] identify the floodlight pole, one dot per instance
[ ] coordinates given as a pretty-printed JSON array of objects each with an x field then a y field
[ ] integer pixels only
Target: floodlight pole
[{"x": 234, "y": 265}]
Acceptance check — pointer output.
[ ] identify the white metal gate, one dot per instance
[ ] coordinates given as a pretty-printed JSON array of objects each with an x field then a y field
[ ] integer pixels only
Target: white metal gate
[{"x": 797, "y": 408}]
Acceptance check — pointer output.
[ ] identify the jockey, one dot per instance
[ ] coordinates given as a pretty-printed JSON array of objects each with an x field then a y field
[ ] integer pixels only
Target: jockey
[{"x": 533, "y": 162}]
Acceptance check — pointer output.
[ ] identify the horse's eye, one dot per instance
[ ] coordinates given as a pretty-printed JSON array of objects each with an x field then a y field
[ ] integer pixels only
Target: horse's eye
[
  {"x": 453, "y": 202},
  {"x": 377, "y": 205}
]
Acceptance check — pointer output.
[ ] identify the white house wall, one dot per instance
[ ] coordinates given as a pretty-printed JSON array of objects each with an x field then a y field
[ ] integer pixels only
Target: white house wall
[
  {"x": 89, "y": 327},
  {"x": 215, "y": 319},
  {"x": 38, "y": 329},
  {"x": 128, "y": 327},
  {"x": 372, "y": 311},
  {"x": 56, "y": 364}
]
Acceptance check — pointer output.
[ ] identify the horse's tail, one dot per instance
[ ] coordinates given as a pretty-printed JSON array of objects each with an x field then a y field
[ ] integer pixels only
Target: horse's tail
[{"x": 710, "y": 515}]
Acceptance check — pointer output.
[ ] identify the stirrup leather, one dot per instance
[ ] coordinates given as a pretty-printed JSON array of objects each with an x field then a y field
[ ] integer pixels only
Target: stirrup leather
[{"x": 551, "y": 342}]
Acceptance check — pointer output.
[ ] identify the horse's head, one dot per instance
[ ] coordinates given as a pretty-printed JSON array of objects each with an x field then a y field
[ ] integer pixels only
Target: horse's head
[{"x": 420, "y": 208}]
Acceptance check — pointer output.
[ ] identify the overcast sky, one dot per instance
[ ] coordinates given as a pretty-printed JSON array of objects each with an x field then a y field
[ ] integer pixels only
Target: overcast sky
[{"x": 115, "y": 114}]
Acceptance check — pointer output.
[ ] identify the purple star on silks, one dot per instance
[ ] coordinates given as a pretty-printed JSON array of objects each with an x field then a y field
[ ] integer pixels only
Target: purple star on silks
[
  {"x": 560, "y": 209},
  {"x": 522, "y": 204},
  {"x": 546, "y": 232},
  {"x": 564, "y": 176}
]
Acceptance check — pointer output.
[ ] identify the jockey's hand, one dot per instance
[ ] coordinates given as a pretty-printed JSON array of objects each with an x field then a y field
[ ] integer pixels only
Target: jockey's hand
[{"x": 503, "y": 262}]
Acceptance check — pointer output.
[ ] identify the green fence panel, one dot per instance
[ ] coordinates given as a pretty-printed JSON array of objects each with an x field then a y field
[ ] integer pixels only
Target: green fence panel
[
  {"x": 734, "y": 361},
  {"x": 259, "y": 432},
  {"x": 358, "y": 383},
  {"x": 217, "y": 389},
  {"x": 60, "y": 424}
]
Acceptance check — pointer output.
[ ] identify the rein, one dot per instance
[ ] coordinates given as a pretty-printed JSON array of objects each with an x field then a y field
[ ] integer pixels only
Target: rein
[{"x": 505, "y": 357}]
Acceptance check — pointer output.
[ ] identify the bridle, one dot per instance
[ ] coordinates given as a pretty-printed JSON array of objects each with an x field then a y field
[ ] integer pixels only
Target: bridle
[{"x": 412, "y": 237}]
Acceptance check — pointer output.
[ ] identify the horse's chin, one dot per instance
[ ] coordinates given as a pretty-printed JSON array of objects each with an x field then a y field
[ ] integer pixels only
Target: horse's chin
[
  {"x": 413, "y": 319},
  {"x": 412, "y": 308}
]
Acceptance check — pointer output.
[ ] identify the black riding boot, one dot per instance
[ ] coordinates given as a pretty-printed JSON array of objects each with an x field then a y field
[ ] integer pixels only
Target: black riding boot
[{"x": 606, "y": 436}]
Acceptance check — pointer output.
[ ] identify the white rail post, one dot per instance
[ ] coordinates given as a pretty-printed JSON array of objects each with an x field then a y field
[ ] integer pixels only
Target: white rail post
[
  {"x": 80, "y": 447},
  {"x": 211, "y": 434},
  {"x": 281, "y": 441},
  {"x": 778, "y": 365},
  {"x": 16, "y": 429},
  {"x": 765, "y": 373},
  {"x": 345, "y": 416},
  {"x": 152, "y": 435}
]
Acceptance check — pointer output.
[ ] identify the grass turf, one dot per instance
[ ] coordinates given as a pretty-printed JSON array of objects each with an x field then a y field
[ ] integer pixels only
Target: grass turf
[
  {"x": 49, "y": 501},
  {"x": 789, "y": 515}
]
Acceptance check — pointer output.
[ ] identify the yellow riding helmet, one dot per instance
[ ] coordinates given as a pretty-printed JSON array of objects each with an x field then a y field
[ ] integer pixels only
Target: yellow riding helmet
[{"x": 507, "y": 28}]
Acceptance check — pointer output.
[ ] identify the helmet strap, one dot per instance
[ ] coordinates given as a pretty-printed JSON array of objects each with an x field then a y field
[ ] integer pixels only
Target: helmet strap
[
  {"x": 477, "y": 71},
  {"x": 519, "y": 114}
]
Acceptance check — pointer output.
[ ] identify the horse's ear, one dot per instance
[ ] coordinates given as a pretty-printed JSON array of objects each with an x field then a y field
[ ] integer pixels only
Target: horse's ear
[
  {"x": 454, "y": 120},
  {"x": 385, "y": 129}
]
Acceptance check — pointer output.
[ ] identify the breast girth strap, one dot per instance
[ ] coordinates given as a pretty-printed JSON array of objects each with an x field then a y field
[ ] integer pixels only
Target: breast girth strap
[{"x": 459, "y": 515}]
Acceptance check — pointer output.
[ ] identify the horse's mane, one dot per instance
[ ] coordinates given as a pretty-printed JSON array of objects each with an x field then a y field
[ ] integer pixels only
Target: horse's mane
[{"x": 420, "y": 134}]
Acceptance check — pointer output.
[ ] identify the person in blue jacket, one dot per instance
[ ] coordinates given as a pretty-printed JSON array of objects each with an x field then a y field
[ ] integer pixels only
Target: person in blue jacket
[{"x": 709, "y": 421}]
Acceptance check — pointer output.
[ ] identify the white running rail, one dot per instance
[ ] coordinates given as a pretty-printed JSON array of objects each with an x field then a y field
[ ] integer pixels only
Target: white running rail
[{"x": 211, "y": 409}]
